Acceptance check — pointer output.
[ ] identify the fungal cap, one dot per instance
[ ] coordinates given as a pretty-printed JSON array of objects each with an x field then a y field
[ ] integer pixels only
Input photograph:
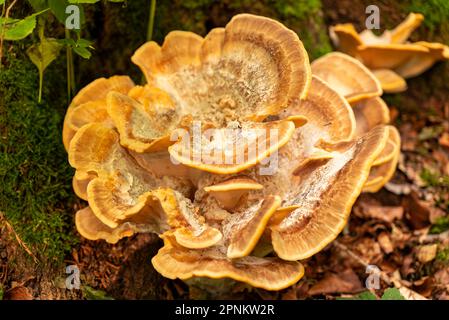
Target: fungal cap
[
  {"x": 313, "y": 225},
  {"x": 223, "y": 56},
  {"x": 327, "y": 110},
  {"x": 245, "y": 238},
  {"x": 420, "y": 62},
  {"x": 369, "y": 114},
  {"x": 388, "y": 56},
  {"x": 390, "y": 81},
  {"x": 142, "y": 127},
  {"x": 187, "y": 238},
  {"x": 402, "y": 32},
  {"x": 229, "y": 193},
  {"x": 216, "y": 157},
  {"x": 345, "y": 38},
  {"x": 91, "y": 228},
  {"x": 173, "y": 261},
  {"x": 346, "y": 75},
  {"x": 94, "y": 93},
  {"x": 383, "y": 171}
]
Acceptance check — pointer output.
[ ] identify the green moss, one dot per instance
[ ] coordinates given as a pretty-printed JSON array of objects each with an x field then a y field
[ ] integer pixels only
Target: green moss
[
  {"x": 306, "y": 18},
  {"x": 35, "y": 178},
  {"x": 434, "y": 179},
  {"x": 436, "y": 13},
  {"x": 443, "y": 255},
  {"x": 440, "y": 225},
  {"x": 92, "y": 294}
]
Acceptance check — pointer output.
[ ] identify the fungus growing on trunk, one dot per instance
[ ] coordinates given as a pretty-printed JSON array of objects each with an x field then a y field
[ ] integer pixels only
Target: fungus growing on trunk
[
  {"x": 389, "y": 55},
  {"x": 280, "y": 158}
]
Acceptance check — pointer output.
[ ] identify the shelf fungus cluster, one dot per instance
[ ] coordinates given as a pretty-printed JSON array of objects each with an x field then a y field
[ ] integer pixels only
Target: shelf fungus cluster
[
  {"x": 390, "y": 56},
  {"x": 240, "y": 154}
]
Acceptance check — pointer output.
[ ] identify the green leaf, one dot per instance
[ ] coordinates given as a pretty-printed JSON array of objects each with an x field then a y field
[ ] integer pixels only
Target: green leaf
[
  {"x": 42, "y": 54},
  {"x": 92, "y": 294},
  {"x": 83, "y": 52},
  {"x": 58, "y": 8},
  {"x": 81, "y": 46},
  {"x": 16, "y": 29},
  {"x": 2, "y": 2},
  {"x": 38, "y": 5},
  {"x": 20, "y": 29},
  {"x": 392, "y": 294},
  {"x": 84, "y": 43},
  {"x": 366, "y": 295}
]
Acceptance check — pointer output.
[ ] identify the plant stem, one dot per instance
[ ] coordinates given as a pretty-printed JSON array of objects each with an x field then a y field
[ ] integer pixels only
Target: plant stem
[
  {"x": 151, "y": 20},
  {"x": 70, "y": 69},
  {"x": 41, "y": 83},
  {"x": 41, "y": 49}
]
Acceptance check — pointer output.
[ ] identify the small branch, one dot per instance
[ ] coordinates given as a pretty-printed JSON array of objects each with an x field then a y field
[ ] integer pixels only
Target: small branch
[
  {"x": 441, "y": 237},
  {"x": 21, "y": 243}
]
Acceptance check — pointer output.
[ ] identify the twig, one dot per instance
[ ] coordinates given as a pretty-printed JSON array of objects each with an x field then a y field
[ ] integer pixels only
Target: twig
[
  {"x": 406, "y": 292},
  {"x": 3, "y": 28},
  {"x": 21, "y": 243},
  {"x": 441, "y": 237}
]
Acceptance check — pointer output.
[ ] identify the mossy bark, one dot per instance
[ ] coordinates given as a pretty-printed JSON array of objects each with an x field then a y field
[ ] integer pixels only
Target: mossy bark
[{"x": 119, "y": 30}]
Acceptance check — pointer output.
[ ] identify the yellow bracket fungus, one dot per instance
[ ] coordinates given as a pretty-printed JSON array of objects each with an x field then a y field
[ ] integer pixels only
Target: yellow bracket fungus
[
  {"x": 284, "y": 150},
  {"x": 389, "y": 55}
]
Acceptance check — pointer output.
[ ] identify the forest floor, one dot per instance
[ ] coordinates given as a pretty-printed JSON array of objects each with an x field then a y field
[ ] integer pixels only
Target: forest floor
[{"x": 403, "y": 229}]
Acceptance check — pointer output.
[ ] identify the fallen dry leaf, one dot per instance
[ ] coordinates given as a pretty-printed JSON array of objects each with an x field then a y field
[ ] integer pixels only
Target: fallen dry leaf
[
  {"x": 369, "y": 250},
  {"x": 398, "y": 189},
  {"x": 417, "y": 211},
  {"x": 435, "y": 213},
  {"x": 385, "y": 242},
  {"x": 442, "y": 277},
  {"x": 444, "y": 140},
  {"x": 410, "y": 295},
  {"x": 18, "y": 293},
  {"x": 344, "y": 282},
  {"x": 407, "y": 265},
  {"x": 399, "y": 237},
  {"x": 384, "y": 213},
  {"x": 410, "y": 140},
  {"x": 427, "y": 253},
  {"x": 424, "y": 286}
]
